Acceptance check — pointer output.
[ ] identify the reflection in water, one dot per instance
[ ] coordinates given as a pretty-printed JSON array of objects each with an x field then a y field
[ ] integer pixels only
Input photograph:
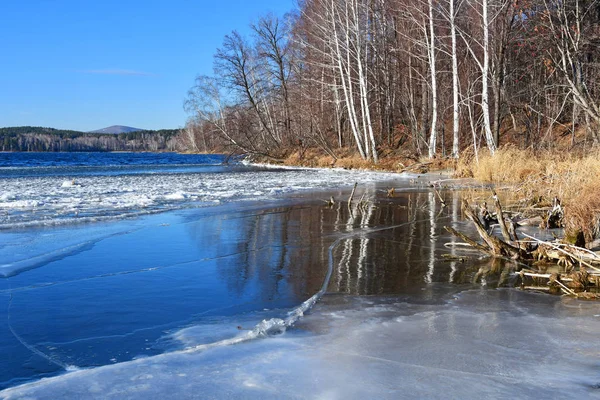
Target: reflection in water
[
  {"x": 280, "y": 254},
  {"x": 276, "y": 254},
  {"x": 408, "y": 257},
  {"x": 453, "y": 264},
  {"x": 278, "y": 257}
]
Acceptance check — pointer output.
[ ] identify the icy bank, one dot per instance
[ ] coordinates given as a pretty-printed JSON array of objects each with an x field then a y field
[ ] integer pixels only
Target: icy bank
[{"x": 480, "y": 344}]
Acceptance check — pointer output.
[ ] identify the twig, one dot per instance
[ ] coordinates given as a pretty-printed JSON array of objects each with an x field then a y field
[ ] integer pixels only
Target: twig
[
  {"x": 535, "y": 275},
  {"x": 501, "y": 221},
  {"x": 351, "y": 196},
  {"x": 566, "y": 289},
  {"x": 440, "y": 197},
  {"x": 543, "y": 288},
  {"x": 468, "y": 240}
]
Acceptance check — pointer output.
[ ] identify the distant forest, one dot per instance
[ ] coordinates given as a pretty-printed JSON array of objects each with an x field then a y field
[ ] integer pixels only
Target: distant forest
[{"x": 31, "y": 138}]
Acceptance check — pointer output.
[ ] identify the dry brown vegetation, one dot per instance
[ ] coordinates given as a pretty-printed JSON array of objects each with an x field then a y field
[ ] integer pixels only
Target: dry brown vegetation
[
  {"x": 540, "y": 176},
  {"x": 392, "y": 161}
]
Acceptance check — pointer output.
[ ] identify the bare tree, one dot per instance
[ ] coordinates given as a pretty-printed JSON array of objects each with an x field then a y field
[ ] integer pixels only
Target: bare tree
[
  {"x": 272, "y": 46},
  {"x": 574, "y": 28}
]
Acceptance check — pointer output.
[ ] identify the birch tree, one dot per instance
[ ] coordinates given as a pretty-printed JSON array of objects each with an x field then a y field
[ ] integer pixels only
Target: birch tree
[
  {"x": 237, "y": 66},
  {"x": 432, "y": 69},
  {"x": 272, "y": 47},
  {"x": 455, "y": 85},
  {"x": 485, "y": 71},
  {"x": 483, "y": 63}
]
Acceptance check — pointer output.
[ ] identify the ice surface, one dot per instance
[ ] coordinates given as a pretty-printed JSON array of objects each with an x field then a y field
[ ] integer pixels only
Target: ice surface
[
  {"x": 71, "y": 183},
  {"x": 51, "y": 200},
  {"x": 493, "y": 344},
  {"x": 22, "y": 251}
]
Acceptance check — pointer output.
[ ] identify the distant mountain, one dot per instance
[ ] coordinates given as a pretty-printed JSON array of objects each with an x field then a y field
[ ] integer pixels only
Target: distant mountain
[{"x": 116, "y": 129}]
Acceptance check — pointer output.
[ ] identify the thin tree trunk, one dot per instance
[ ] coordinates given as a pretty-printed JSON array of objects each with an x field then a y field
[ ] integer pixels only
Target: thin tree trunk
[
  {"x": 455, "y": 87},
  {"x": 485, "y": 106},
  {"x": 347, "y": 88},
  {"x": 433, "y": 133}
]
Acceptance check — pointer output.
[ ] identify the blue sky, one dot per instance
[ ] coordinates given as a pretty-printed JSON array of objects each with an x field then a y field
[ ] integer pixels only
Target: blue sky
[{"x": 84, "y": 65}]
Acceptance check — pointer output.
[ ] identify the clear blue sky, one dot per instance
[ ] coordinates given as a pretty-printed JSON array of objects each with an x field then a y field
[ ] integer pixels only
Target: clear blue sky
[{"x": 84, "y": 65}]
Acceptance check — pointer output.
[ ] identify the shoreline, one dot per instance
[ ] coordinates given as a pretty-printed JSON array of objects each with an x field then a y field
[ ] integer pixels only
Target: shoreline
[
  {"x": 333, "y": 342},
  {"x": 404, "y": 264}
]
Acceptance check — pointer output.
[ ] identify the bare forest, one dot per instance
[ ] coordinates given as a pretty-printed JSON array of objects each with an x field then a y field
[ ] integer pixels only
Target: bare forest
[
  {"x": 427, "y": 77},
  {"x": 39, "y": 139}
]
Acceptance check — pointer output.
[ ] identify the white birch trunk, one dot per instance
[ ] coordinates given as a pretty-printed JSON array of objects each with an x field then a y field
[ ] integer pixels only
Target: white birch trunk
[
  {"x": 433, "y": 133},
  {"x": 370, "y": 147},
  {"x": 347, "y": 86},
  {"x": 485, "y": 106},
  {"x": 455, "y": 87}
]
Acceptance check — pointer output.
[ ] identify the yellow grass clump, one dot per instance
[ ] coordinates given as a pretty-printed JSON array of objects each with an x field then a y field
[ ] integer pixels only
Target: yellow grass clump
[
  {"x": 572, "y": 178},
  {"x": 583, "y": 213}
]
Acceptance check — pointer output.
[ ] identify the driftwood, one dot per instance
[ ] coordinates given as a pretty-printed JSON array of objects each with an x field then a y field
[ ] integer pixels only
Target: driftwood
[
  {"x": 564, "y": 256},
  {"x": 505, "y": 233},
  {"x": 467, "y": 239},
  {"x": 492, "y": 245},
  {"x": 575, "y": 284}
]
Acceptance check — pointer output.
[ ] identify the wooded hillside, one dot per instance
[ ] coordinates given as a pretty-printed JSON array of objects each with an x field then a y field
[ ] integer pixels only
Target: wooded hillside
[
  {"x": 427, "y": 76},
  {"x": 29, "y": 138}
]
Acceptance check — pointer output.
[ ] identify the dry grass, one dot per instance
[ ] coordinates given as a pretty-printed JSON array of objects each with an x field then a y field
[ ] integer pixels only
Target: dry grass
[
  {"x": 583, "y": 212},
  {"x": 345, "y": 158},
  {"x": 573, "y": 178},
  {"x": 393, "y": 161}
]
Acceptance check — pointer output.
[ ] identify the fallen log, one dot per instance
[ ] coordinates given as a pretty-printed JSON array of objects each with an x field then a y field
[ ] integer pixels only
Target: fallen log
[
  {"x": 492, "y": 245},
  {"x": 468, "y": 240}
]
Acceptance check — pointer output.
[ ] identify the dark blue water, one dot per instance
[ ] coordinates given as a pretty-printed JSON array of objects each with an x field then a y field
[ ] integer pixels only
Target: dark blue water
[
  {"x": 15, "y": 165},
  {"x": 105, "y": 257},
  {"x": 31, "y": 160},
  {"x": 122, "y": 294}
]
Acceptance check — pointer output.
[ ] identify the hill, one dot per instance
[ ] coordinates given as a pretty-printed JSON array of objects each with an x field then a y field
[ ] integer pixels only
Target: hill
[
  {"x": 116, "y": 129},
  {"x": 33, "y": 138}
]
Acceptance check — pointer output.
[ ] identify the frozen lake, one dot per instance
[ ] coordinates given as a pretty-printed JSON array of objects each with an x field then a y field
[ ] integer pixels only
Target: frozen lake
[{"x": 212, "y": 289}]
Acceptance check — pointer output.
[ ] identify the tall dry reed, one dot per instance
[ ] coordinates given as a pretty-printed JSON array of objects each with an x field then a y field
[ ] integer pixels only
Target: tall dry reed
[{"x": 572, "y": 178}]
